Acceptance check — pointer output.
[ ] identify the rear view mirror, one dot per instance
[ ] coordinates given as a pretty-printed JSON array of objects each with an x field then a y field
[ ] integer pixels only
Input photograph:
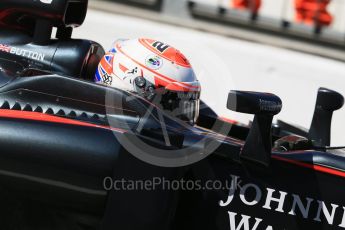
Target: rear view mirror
[
  {"x": 39, "y": 17},
  {"x": 264, "y": 106},
  {"x": 327, "y": 102}
]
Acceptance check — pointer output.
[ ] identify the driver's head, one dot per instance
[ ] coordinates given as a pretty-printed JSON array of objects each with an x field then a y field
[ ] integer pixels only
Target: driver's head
[{"x": 155, "y": 71}]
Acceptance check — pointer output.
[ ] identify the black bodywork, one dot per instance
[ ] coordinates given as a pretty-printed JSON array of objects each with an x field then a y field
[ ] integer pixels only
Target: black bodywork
[{"x": 58, "y": 144}]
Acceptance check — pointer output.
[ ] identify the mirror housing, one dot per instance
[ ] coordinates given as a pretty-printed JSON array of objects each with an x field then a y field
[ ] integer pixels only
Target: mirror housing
[
  {"x": 327, "y": 102},
  {"x": 67, "y": 13},
  {"x": 39, "y": 17},
  {"x": 264, "y": 106}
]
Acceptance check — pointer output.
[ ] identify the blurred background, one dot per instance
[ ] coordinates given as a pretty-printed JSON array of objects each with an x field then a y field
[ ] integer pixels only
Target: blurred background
[{"x": 286, "y": 47}]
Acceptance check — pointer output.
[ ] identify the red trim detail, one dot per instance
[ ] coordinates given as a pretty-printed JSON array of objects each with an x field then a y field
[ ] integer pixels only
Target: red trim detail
[
  {"x": 176, "y": 86},
  {"x": 35, "y": 116},
  {"x": 312, "y": 166},
  {"x": 228, "y": 120},
  {"x": 123, "y": 68}
]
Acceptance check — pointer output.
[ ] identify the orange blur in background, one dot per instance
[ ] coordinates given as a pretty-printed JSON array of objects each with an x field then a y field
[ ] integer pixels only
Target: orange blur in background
[
  {"x": 252, "y": 5},
  {"x": 313, "y": 12}
]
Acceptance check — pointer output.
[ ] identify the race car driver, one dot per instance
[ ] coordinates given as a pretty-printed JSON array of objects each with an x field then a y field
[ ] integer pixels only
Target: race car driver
[{"x": 155, "y": 71}]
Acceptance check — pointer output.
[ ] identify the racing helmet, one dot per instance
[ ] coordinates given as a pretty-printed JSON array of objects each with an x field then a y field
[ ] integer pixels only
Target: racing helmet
[{"x": 155, "y": 71}]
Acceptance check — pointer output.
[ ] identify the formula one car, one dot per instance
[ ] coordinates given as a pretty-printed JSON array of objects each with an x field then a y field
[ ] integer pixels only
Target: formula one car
[{"x": 63, "y": 139}]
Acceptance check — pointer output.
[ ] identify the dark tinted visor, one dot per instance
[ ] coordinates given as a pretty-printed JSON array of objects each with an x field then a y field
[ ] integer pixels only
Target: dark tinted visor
[{"x": 183, "y": 105}]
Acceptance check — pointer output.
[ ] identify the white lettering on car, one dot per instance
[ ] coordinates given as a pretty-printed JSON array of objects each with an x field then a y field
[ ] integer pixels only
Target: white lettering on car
[
  {"x": 271, "y": 197},
  {"x": 27, "y": 53}
]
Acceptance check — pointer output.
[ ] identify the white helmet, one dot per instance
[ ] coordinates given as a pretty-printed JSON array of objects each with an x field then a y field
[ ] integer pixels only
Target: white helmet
[{"x": 155, "y": 71}]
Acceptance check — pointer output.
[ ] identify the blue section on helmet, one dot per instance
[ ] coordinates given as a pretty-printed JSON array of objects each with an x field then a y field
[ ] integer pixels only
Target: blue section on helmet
[
  {"x": 113, "y": 50},
  {"x": 108, "y": 58},
  {"x": 103, "y": 72}
]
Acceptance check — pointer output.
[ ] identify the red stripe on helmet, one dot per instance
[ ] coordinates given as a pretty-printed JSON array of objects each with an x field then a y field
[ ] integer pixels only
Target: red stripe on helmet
[
  {"x": 178, "y": 87},
  {"x": 162, "y": 79},
  {"x": 170, "y": 53},
  {"x": 228, "y": 120},
  {"x": 123, "y": 68}
]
